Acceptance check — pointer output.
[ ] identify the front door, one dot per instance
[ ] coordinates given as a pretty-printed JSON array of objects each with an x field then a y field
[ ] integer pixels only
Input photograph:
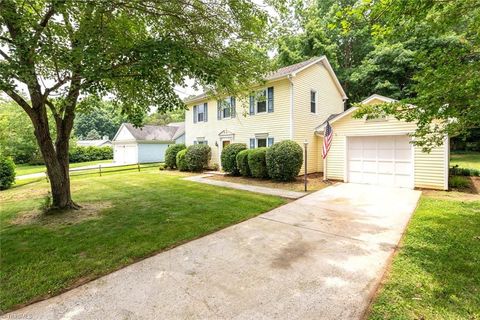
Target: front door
[{"x": 225, "y": 143}]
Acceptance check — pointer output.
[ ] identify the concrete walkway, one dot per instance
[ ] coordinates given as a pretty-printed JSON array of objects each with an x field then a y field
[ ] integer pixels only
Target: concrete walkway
[
  {"x": 319, "y": 257},
  {"x": 203, "y": 178}
]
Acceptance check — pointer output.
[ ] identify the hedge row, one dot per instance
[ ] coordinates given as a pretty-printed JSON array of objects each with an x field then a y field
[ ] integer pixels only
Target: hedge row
[
  {"x": 458, "y": 171},
  {"x": 194, "y": 158},
  {"x": 281, "y": 162},
  {"x": 82, "y": 154}
]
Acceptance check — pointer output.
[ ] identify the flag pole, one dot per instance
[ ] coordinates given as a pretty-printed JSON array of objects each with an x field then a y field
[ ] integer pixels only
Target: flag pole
[{"x": 325, "y": 168}]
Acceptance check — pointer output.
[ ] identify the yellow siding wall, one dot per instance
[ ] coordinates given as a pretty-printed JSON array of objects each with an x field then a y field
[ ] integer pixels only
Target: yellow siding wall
[
  {"x": 430, "y": 167},
  {"x": 243, "y": 126},
  {"x": 329, "y": 101}
]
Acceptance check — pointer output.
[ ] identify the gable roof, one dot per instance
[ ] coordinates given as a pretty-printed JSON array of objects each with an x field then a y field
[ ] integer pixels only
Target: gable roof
[
  {"x": 169, "y": 132},
  {"x": 336, "y": 117},
  {"x": 290, "y": 71},
  {"x": 378, "y": 97}
]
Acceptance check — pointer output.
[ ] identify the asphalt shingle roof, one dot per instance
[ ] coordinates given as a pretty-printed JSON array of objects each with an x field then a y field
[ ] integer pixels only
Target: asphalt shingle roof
[
  {"x": 282, "y": 72},
  {"x": 159, "y": 133}
]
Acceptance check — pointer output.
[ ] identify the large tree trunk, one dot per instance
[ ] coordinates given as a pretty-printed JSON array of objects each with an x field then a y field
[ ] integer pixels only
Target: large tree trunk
[{"x": 56, "y": 158}]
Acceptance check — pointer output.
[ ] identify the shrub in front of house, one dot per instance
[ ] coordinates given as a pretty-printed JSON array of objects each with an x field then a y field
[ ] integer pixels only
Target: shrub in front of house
[
  {"x": 242, "y": 163},
  {"x": 197, "y": 157},
  {"x": 284, "y": 160},
  {"x": 171, "y": 155},
  {"x": 229, "y": 157},
  {"x": 181, "y": 163},
  {"x": 458, "y": 171},
  {"x": 7, "y": 172},
  {"x": 257, "y": 164}
]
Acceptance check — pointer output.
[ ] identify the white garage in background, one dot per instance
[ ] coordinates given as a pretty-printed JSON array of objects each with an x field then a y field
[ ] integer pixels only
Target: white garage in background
[{"x": 145, "y": 144}]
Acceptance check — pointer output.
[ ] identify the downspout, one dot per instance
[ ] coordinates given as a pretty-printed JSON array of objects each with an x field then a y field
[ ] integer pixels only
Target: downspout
[{"x": 290, "y": 77}]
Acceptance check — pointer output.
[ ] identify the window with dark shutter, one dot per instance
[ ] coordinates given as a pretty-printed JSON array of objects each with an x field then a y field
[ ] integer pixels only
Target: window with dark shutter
[
  {"x": 270, "y": 99},
  {"x": 270, "y": 142},
  {"x": 262, "y": 101},
  {"x": 313, "y": 101},
  {"x": 252, "y": 105}
]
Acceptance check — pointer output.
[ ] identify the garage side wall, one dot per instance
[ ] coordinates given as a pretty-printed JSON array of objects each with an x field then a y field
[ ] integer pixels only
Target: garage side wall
[
  {"x": 151, "y": 152},
  {"x": 429, "y": 168}
]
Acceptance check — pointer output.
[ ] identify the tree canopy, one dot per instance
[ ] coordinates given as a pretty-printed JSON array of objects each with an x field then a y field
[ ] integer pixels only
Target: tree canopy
[
  {"x": 136, "y": 51},
  {"x": 421, "y": 52}
]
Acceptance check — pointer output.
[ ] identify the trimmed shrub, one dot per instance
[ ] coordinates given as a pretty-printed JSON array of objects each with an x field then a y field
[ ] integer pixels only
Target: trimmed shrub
[
  {"x": 242, "y": 163},
  {"x": 284, "y": 160},
  {"x": 82, "y": 154},
  {"x": 197, "y": 157},
  {"x": 257, "y": 164},
  {"x": 171, "y": 155},
  {"x": 458, "y": 182},
  {"x": 181, "y": 163},
  {"x": 229, "y": 157},
  {"x": 7, "y": 173}
]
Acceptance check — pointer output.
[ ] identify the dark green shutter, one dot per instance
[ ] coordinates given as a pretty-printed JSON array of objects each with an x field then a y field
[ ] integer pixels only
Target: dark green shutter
[
  {"x": 219, "y": 110},
  {"x": 270, "y": 99},
  {"x": 233, "y": 106},
  {"x": 205, "y": 110},
  {"x": 195, "y": 114},
  {"x": 252, "y": 105}
]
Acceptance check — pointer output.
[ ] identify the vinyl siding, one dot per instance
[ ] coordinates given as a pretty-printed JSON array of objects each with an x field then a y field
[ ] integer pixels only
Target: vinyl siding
[
  {"x": 329, "y": 101},
  {"x": 429, "y": 168},
  {"x": 243, "y": 126}
]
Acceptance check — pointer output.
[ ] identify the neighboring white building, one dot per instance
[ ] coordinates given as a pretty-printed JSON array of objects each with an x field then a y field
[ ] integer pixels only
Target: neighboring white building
[
  {"x": 145, "y": 144},
  {"x": 104, "y": 142}
]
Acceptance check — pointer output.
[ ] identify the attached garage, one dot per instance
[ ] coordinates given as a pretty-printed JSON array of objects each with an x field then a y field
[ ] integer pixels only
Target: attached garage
[
  {"x": 382, "y": 160},
  {"x": 145, "y": 144},
  {"x": 380, "y": 152}
]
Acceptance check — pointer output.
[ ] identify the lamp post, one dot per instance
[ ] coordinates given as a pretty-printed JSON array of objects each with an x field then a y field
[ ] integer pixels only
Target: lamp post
[{"x": 305, "y": 146}]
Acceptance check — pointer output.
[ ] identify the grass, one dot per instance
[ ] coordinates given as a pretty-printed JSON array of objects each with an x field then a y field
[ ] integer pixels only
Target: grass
[
  {"x": 436, "y": 274},
  {"x": 23, "y": 169},
  {"x": 314, "y": 182},
  {"x": 469, "y": 160},
  {"x": 126, "y": 216}
]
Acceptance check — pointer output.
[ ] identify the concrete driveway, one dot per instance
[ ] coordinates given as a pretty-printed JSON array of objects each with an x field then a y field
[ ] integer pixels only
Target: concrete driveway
[{"x": 319, "y": 257}]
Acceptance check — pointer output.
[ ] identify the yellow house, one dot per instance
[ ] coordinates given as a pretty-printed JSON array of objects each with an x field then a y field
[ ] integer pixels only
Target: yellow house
[{"x": 294, "y": 104}]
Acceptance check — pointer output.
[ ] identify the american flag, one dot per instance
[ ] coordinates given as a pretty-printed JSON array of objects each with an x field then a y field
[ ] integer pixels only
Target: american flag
[{"x": 327, "y": 140}]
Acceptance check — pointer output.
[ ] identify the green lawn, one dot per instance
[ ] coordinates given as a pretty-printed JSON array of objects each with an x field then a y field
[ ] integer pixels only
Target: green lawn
[
  {"x": 22, "y": 169},
  {"x": 469, "y": 160},
  {"x": 436, "y": 273},
  {"x": 140, "y": 213}
]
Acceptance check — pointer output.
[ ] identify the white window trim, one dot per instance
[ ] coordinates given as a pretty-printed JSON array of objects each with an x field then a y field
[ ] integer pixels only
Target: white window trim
[
  {"x": 229, "y": 101},
  {"x": 198, "y": 113},
  {"x": 265, "y": 91}
]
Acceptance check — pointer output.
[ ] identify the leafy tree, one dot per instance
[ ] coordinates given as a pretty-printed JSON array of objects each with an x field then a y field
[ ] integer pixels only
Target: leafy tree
[
  {"x": 97, "y": 114},
  {"x": 162, "y": 118},
  {"x": 136, "y": 51},
  {"x": 445, "y": 86},
  {"x": 324, "y": 32},
  {"x": 93, "y": 135}
]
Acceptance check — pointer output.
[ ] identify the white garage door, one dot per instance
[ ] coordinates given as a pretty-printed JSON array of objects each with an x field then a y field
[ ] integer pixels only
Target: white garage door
[{"x": 381, "y": 160}]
